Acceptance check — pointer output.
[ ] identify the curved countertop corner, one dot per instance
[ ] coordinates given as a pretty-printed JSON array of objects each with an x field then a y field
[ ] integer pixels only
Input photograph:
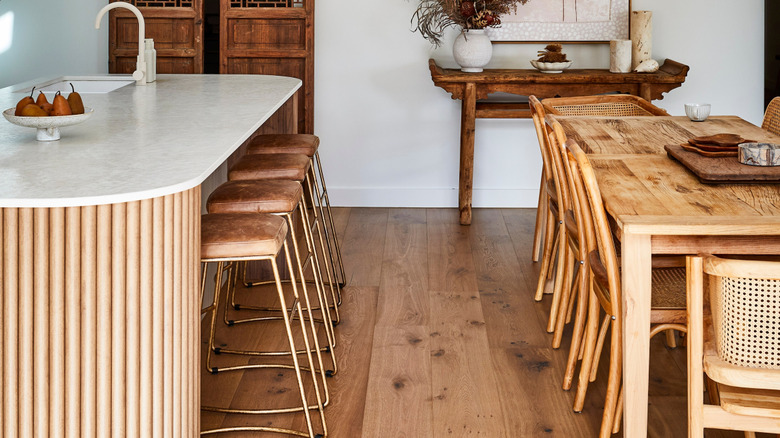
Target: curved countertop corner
[{"x": 142, "y": 141}]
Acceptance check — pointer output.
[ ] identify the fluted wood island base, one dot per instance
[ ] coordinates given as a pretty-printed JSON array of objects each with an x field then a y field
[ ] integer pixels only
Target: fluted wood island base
[
  {"x": 100, "y": 252},
  {"x": 100, "y": 313}
]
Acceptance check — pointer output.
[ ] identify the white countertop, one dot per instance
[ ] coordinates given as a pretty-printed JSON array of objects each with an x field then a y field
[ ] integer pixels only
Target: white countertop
[{"x": 142, "y": 141}]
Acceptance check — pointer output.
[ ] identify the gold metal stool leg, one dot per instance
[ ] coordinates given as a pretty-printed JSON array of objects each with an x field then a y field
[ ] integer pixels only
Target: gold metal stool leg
[
  {"x": 333, "y": 240},
  {"x": 301, "y": 263},
  {"x": 305, "y": 407}
]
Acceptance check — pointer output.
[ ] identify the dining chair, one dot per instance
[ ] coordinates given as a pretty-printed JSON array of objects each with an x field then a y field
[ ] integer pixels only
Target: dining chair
[
  {"x": 668, "y": 299},
  {"x": 556, "y": 270},
  {"x": 569, "y": 252},
  {"x": 610, "y": 105},
  {"x": 772, "y": 116},
  {"x": 542, "y": 210},
  {"x": 733, "y": 331},
  {"x": 549, "y": 271}
]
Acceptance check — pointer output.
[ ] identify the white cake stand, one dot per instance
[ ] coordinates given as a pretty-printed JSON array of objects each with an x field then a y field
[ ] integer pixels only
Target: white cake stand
[{"x": 48, "y": 128}]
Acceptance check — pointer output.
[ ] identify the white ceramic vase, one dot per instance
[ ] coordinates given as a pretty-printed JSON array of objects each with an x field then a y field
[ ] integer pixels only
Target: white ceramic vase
[{"x": 472, "y": 50}]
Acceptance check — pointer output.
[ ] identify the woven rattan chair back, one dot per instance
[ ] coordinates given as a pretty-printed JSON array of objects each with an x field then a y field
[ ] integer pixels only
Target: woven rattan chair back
[
  {"x": 745, "y": 306},
  {"x": 611, "y": 105},
  {"x": 772, "y": 117}
]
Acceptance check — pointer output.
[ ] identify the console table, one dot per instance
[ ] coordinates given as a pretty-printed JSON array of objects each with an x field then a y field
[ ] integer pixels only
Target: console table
[{"x": 471, "y": 87}]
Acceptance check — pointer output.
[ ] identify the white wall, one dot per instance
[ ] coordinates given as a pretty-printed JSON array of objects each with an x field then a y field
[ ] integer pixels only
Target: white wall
[
  {"x": 390, "y": 137},
  {"x": 51, "y": 37}
]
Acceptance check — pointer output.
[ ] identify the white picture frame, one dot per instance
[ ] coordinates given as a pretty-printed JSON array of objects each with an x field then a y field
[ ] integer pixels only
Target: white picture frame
[{"x": 581, "y": 21}]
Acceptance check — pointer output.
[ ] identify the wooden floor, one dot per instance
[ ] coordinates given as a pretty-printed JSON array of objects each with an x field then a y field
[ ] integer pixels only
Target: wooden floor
[{"x": 440, "y": 336}]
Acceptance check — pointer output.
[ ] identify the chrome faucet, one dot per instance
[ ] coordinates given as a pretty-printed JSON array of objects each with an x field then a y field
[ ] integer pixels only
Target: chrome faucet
[{"x": 140, "y": 66}]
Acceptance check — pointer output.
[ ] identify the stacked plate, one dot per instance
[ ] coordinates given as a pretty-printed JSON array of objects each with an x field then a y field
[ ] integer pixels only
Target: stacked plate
[{"x": 718, "y": 145}]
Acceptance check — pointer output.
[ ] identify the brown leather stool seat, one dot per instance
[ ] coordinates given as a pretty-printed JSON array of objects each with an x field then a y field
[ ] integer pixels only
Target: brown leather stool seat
[
  {"x": 238, "y": 235},
  {"x": 278, "y": 166},
  {"x": 255, "y": 196},
  {"x": 306, "y": 144}
]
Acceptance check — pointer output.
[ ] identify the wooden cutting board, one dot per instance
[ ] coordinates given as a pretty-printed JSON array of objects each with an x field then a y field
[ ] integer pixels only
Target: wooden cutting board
[{"x": 722, "y": 169}]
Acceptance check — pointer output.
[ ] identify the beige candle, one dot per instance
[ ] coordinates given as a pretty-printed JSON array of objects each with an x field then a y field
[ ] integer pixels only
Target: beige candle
[
  {"x": 620, "y": 56},
  {"x": 641, "y": 36}
]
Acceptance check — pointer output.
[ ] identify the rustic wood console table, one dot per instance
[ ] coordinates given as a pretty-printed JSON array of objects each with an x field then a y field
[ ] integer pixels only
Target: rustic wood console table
[{"x": 471, "y": 87}]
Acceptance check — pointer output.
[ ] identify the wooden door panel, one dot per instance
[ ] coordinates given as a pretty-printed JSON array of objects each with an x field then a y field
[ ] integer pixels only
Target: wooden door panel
[
  {"x": 267, "y": 34},
  {"x": 175, "y": 26},
  {"x": 273, "y": 37},
  {"x": 294, "y": 67}
]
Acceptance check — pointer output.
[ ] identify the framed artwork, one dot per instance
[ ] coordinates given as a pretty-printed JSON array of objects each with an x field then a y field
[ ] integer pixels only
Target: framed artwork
[{"x": 582, "y": 21}]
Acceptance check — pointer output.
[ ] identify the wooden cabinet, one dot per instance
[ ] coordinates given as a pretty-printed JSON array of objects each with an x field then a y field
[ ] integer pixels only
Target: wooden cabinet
[
  {"x": 176, "y": 27},
  {"x": 269, "y": 37}
]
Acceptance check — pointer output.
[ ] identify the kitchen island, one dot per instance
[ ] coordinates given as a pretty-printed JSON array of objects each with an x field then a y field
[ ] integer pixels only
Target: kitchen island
[{"x": 99, "y": 259}]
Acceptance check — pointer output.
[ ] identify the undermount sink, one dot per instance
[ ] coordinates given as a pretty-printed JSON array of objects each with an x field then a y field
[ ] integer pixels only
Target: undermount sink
[{"x": 83, "y": 84}]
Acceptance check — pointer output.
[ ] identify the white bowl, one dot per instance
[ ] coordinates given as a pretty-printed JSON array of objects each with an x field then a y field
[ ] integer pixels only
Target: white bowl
[
  {"x": 48, "y": 128},
  {"x": 697, "y": 112},
  {"x": 551, "y": 67}
]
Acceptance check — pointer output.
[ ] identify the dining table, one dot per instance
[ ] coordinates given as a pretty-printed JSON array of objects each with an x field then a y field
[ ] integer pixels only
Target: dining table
[{"x": 660, "y": 207}]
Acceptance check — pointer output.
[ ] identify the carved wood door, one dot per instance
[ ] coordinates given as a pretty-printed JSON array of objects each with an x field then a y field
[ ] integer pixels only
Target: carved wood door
[
  {"x": 176, "y": 27},
  {"x": 272, "y": 37}
]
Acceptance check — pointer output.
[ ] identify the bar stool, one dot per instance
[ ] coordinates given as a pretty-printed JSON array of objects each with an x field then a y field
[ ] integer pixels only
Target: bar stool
[
  {"x": 282, "y": 198},
  {"x": 293, "y": 167},
  {"x": 308, "y": 145},
  {"x": 226, "y": 239}
]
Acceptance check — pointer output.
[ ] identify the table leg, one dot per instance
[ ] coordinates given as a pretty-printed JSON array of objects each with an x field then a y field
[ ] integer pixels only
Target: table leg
[
  {"x": 468, "y": 115},
  {"x": 636, "y": 281}
]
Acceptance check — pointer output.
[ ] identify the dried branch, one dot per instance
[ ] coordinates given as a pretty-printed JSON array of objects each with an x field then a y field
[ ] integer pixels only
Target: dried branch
[{"x": 432, "y": 17}]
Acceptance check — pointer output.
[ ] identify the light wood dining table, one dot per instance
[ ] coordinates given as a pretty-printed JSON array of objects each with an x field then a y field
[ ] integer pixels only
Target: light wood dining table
[{"x": 660, "y": 207}]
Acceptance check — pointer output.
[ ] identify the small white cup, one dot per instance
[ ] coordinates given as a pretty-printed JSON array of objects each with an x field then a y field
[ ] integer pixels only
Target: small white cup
[{"x": 698, "y": 112}]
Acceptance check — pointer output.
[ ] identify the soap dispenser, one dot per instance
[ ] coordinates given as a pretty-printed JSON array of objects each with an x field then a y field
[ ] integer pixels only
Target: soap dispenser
[{"x": 150, "y": 56}]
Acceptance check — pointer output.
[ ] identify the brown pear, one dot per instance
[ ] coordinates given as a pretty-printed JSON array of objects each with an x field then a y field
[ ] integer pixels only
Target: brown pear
[
  {"x": 33, "y": 110},
  {"x": 26, "y": 100},
  {"x": 75, "y": 102},
  {"x": 60, "y": 106},
  {"x": 41, "y": 99},
  {"x": 46, "y": 106}
]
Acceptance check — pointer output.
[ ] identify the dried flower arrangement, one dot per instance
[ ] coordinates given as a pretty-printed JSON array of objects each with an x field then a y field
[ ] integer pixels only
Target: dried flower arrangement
[
  {"x": 552, "y": 53},
  {"x": 432, "y": 17}
]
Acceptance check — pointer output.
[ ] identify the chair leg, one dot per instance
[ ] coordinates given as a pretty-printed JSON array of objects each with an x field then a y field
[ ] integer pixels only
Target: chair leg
[
  {"x": 577, "y": 337},
  {"x": 618, "y": 413},
  {"x": 589, "y": 349},
  {"x": 566, "y": 300},
  {"x": 613, "y": 383},
  {"x": 599, "y": 347},
  {"x": 671, "y": 340},
  {"x": 541, "y": 213},
  {"x": 550, "y": 235},
  {"x": 560, "y": 276}
]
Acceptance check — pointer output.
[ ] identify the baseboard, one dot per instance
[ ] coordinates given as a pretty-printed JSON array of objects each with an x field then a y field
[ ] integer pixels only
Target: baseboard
[{"x": 430, "y": 198}]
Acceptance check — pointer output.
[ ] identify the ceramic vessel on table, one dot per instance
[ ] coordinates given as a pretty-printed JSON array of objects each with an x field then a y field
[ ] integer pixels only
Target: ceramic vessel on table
[
  {"x": 551, "y": 67},
  {"x": 697, "y": 112},
  {"x": 472, "y": 50}
]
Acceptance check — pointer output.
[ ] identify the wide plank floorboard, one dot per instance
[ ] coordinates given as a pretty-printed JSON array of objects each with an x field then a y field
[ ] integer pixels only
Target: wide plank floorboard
[{"x": 440, "y": 336}]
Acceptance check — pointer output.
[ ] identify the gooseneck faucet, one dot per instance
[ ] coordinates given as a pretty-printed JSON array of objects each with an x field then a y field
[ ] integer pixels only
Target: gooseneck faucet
[{"x": 140, "y": 66}]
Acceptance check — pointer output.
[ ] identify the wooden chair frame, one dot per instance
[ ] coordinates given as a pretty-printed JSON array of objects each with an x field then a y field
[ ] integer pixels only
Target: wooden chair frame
[{"x": 760, "y": 383}]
